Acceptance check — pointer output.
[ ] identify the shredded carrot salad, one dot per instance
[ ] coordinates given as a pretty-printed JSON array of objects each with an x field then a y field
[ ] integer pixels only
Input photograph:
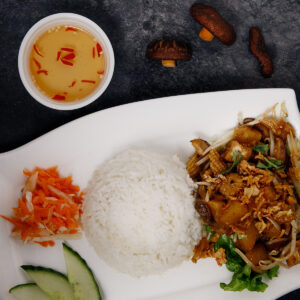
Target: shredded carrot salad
[{"x": 50, "y": 208}]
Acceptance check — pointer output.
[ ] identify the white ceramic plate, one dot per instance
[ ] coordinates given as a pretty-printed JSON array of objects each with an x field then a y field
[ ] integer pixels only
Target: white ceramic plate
[{"x": 165, "y": 125}]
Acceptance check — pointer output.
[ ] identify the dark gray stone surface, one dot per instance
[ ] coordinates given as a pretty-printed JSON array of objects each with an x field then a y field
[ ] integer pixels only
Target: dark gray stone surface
[{"x": 131, "y": 25}]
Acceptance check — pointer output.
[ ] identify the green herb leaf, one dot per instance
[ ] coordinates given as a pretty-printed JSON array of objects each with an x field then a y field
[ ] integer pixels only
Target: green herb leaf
[
  {"x": 234, "y": 265},
  {"x": 235, "y": 236},
  {"x": 273, "y": 272},
  {"x": 271, "y": 163},
  {"x": 241, "y": 236},
  {"x": 240, "y": 280},
  {"x": 243, "y": 277},
  {"x": 207, "y": 228},
  {"x": 264, "y": 148},
  {"x": 261, "y": 165},
  {"x": 225, "y": 242},
  {"x": 210, "y": 231},
  {"x": 256, "y": 284},
  {"x": 236, "y": 158}
]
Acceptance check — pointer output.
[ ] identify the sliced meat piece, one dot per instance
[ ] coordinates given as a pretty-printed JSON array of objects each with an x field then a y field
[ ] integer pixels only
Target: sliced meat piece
[
  {"x": 234, "y": 145},
  {"x": 247, "y": 135}
]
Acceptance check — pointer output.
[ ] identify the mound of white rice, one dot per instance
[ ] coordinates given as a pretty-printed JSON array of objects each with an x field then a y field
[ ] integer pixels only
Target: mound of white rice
[{"x": 139, "y": 213}]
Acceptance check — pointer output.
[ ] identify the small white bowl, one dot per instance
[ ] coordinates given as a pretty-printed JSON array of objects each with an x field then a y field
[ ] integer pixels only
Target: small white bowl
[{"x": 64, "y": 19}]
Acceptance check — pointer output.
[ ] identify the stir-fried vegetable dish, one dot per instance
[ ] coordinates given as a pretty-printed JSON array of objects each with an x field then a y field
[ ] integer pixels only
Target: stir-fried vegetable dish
[
  {"x": 247, "y": 197},
  {"x": 49, "y": 208}
]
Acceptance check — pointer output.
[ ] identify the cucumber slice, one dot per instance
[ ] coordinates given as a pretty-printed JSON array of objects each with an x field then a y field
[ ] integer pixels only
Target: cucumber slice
[
  {"x": 28, "y": 291},
  {"x": 80, "y": 276},
  {"x": 53, "y": 283}
]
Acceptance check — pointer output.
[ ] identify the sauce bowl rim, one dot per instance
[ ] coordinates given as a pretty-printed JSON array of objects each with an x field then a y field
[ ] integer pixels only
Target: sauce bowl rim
[{"x": 64, "y": 19}]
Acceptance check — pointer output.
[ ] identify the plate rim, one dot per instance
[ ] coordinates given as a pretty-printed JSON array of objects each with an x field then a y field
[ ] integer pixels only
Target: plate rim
[{"x": 141, "y": 102}]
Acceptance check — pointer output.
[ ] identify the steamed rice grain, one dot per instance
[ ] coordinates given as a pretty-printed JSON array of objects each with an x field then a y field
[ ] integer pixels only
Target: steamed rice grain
[{"x": 139, "y": 213}]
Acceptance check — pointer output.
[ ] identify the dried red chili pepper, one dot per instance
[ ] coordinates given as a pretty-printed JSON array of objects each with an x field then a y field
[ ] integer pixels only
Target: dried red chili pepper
[
  {"x": 71, "y": 29},
  {"x": 58, "y": 55},
  {"x": 73, "y": 83},
  {"x": 88, "y": 81},
  {"x": 59, "y": 97},
  {"x": 42, "y": 71},
  {"x": 67, "y": 49},
  {"x": 65, "y": 62},
  {"x": 69, "y": 56},
  {"x": 37, "y": 63},
  {"x": 37, "y": 51},
  {"x": 99, "y": 49}
]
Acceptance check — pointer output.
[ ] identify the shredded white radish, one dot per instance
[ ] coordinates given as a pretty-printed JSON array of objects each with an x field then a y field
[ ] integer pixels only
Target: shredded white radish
[
  {"x": 60, "y": 193},
  {"x": 51, "y": 198},
  {"x": 31, "y": 182},
  {"x": 59, "y": 216},
  {"x": 28, "y": 197}
]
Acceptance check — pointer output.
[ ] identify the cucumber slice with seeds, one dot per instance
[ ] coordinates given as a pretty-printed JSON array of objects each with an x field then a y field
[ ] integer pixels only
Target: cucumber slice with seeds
[
  {"x": 80, "y": 276},
  {"x": 28, "y": 291},
  {"x": 53, "y": 283}
]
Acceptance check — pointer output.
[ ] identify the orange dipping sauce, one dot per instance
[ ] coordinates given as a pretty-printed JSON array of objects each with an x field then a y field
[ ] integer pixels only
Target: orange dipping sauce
[{"x": 67, "y": 63}]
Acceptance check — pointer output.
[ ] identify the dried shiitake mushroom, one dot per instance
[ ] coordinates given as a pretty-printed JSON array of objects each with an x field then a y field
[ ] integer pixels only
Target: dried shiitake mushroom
[
  {"x": 213, "y": 24},
  {"x": 168, "y": 52},
  {"x": 258, "y": 48}
]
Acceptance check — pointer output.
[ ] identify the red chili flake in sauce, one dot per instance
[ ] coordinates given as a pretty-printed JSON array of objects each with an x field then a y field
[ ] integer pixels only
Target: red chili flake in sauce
[
  {"x": 71, "y": 29},
  {"x": 37, "y": 51},
  {"x": 88, "y": 81},
  {"x": 73, "y": 83},
  {"x": 37, "y": 63},
  {"x": 59, "y": 97},
  {"x": 69, "y": 56},
  {"x": 67, "y": 49},
  {"x": 42, "y": 71},
  {"x": 100, "y": 72},
  {"x": 58, "y": 55},
  {"x": 93, "y": 52},
  {"x": 99, "y": 49},
  {"x": 65, "y": 62}
]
